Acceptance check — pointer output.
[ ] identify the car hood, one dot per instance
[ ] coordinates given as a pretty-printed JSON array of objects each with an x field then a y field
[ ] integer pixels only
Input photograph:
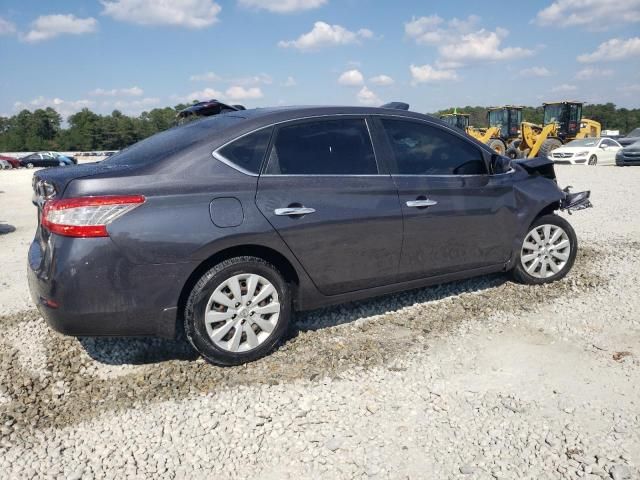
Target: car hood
[{"x": 624, "y": 141}]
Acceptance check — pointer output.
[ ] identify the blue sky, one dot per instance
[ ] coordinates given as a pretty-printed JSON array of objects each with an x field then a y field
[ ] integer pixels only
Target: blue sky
[{"x": 134, "y": 55}]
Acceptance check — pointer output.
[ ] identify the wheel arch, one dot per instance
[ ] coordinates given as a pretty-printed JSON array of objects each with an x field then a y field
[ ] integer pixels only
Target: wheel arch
[{"x": 268, "y": 254}]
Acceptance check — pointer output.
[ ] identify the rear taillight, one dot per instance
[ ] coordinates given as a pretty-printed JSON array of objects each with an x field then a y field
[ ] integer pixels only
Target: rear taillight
[{"x": 86, "y": 216}]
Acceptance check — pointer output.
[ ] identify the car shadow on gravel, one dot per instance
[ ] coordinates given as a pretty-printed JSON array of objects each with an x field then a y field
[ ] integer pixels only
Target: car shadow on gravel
[
  {"x": 136, "y": 351},
  {"x": 147, "y": 350},
  {"x": 350, "y": 312}
]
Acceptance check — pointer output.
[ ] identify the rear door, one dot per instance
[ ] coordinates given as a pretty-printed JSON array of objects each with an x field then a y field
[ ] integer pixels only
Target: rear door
[
  {"x": 323, "y": 191},
  {"x": 456, "y": 216}
]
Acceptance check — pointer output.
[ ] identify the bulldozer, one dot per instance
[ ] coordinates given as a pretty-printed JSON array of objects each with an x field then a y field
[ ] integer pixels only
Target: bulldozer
[
  {"x": 502, "y": 130},
  {"x": 562, "y": 122}
]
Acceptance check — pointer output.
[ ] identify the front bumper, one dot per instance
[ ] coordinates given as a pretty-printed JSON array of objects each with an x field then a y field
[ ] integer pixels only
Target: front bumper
[
  {"x": 87, "y": 288},
  {"x": 622, "y": 161}
]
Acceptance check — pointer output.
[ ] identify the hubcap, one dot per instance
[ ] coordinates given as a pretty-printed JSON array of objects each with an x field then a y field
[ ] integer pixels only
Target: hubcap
[
  {"x": 242, "y": 312},
  {"x": 545, "y": 251}
]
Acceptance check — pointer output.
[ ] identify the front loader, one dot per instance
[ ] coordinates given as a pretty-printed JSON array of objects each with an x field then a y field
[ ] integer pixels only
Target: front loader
[
  {"x": 562, "y": 123},
  {"x": 502, "y": 130}
]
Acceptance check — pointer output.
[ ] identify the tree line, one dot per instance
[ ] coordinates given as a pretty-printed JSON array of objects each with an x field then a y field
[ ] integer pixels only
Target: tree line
[{"x": 43, "y": 129}]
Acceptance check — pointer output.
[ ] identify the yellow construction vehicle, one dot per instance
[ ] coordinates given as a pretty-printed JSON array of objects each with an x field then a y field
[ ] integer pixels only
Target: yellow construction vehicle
[
  {"x": 502, "y": 130},
  {"x": 562, "y": 123}
]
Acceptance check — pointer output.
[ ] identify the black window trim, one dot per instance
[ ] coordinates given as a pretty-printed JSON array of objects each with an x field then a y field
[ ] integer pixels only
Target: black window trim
[
  {"x": 218, "y": 156},
  {"x": 449, "y": 130},
  {"x": 277, "y": 126}
]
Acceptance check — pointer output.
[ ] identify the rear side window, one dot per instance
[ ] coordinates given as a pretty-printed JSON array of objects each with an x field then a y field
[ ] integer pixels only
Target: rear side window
[
  {"x": 421, "y": 149},
  {"x": 323, "y": 147},
  {"x": 248, "y": 152}
]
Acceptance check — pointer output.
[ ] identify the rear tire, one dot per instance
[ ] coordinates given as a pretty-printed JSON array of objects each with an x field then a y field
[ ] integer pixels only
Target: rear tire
[
  {"x": 593, "y": 160},
  {"x": 29, "y": 165},
  {"x": 548, "y": 146},
  {"x": 558, "y": 244},
  {"x": 245, "y": 326},
  {"x": 497, "y": 146}
]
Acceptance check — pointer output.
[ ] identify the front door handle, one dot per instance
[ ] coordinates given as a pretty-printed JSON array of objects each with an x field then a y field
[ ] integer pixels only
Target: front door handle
[
  {"x": 293, "y": 211},
  {"x": 421, "y": 203}
]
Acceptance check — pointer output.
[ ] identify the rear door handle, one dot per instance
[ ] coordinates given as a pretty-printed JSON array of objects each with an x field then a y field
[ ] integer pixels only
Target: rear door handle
[
  {"x": 293, "y": 211},
  {"x": 421, "y": 203}
]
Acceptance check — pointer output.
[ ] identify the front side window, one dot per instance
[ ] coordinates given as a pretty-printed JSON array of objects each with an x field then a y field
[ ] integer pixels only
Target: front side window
[
  {"x": 421, "y": 149},
  {"x": 248, "y": 152},
  {"x": 323, "y": 147}
]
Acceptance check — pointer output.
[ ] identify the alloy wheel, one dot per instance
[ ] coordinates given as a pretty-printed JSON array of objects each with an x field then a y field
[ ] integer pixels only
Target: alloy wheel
[
  {"x": 242, "y": 312},
  {"x": 545, "y": 251}
]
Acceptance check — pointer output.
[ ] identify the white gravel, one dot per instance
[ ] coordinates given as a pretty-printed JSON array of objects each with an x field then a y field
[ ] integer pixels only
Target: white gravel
[{"x": 479, "y": 379}]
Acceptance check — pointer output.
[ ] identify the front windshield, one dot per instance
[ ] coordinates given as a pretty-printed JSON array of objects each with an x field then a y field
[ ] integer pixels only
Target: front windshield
[
  {"x": 552, "y": 114},
  {"x": 634, "y": 133},
  {"x": 583, "y": 142}
]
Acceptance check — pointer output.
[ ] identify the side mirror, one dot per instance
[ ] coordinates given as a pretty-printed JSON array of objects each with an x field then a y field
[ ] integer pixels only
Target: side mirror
[{"x": 499, "y": 164}]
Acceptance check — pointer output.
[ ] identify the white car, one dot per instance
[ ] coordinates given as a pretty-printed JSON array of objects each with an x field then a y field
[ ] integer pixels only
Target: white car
[{"x": 587, "y": 151}]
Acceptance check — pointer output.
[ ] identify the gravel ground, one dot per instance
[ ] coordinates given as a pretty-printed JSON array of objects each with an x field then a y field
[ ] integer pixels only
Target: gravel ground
[{"x": 477, "y": 379}]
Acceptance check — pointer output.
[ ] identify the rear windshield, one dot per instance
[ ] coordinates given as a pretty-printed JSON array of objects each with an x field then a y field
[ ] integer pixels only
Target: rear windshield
[{"x": 166, "y": 143}]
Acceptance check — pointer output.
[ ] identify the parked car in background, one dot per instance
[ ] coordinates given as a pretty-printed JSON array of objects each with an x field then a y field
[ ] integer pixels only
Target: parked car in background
[
  {"x": 632, "y": 137},
  {"x": 4, "y": 165},
  {"x": 229, "y": 223},
  {"x": 45, "y": 159},
  {"x": 587, "y": 151},
  {"x": 629, "y": 155},
  {"x": 14, "y": 162}
]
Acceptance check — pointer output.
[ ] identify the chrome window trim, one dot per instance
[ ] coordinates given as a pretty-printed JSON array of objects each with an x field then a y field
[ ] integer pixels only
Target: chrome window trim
[{"x": 216, "y": 154}]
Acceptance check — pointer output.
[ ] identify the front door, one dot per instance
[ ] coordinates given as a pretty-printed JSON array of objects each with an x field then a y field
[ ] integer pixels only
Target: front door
[
  {"x": 456, "y": 216},
  {"x": 322, "y": 192}
]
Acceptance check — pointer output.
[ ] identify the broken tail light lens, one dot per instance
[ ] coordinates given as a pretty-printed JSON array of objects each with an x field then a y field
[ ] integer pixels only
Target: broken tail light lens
[{"x": 87, "y": 216}]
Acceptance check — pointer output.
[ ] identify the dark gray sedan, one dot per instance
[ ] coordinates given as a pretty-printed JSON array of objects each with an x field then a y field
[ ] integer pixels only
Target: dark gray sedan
[{"x": 224, "y": 226}]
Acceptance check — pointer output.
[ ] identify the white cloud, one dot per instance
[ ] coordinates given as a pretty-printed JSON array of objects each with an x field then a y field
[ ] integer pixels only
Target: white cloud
[
  {"x": 565, "y": 87},
  {"x": 535, "y": 72},
  {"x": 325, "y": 35},
  {"x": 614, "y": 49},
  {"x": 204, "y": 77},
  {"x": 260, "y": 79},
  {"x": 462, "y": 41},
  {"x": 367, "y": 97},
  {"x": 63, "y": 107},
  {"x": 289, "y": 82},
  {"x": 590, "y": 72},
  {"x": 6, "y": 27},
  {"x": 133, "y": 107},
  {"x": 630, "y": 89},
  {"x": 283, "y": 6},
  {"x": 238, "y": 92},
  {"x": 351, "y": 78},
  {"x": 46, "y": 27},
  {"x": 382, "y": 80},
  {"x": 426, "y": 73},
  {"x": 118, "y": 92},
  {"x": 595, "y": 14},
  {"x": 199, "y": 95},
  {"x": 179, "y": 13}
]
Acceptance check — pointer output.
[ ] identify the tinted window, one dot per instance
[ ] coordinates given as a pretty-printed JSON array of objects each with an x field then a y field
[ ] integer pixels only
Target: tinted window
[
  {"x": 166, "y": 143},
  {"x": 248, "y": 152},
  {"x": 323, "y": 147},
  {"x": 421, "y": 149}
]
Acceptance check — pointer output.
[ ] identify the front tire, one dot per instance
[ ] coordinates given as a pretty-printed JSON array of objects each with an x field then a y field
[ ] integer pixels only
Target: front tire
[
  {"x": 238, "y": 311},
  {"x": 548, "y": 251},
  {"x": 548, "y": 146},
  {"x": 593, "y": 160}
]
